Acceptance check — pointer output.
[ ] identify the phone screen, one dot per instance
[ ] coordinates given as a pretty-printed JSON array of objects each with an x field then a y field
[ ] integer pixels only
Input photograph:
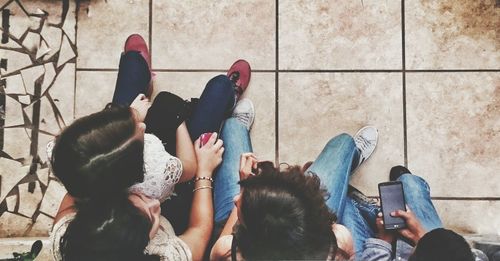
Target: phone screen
[{"x": 392, "y": 199}]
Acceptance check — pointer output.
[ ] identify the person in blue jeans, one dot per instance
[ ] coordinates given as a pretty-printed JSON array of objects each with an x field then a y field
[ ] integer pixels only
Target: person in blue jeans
[
  {"x": 424, "y": 238},
  {"x": 177, "y": 123},
  {"x": 340, "y": 157}
]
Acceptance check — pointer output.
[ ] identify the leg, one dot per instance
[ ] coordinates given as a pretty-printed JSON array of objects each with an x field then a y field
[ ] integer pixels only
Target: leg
[
  {"x": 167, "y": 112},
  {"x": 213, "y": 108},
  {"x": 333, "y": 167},
  {"x": 418, "y": 198},
  {"x": 236, "y": 141},
  {"x": 133, "y": 78},
  {"x": 359, "y": 218}
]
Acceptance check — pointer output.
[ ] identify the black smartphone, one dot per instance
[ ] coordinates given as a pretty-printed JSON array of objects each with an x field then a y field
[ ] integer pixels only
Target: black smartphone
[{"x": 392, "y": 199}]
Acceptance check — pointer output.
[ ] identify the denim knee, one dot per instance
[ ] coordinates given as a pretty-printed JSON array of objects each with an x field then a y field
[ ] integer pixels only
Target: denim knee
[
  {"x": 344, "y": 139},
  {"x": 414, "y": 184},
  {"x": 221, "y": 84}
]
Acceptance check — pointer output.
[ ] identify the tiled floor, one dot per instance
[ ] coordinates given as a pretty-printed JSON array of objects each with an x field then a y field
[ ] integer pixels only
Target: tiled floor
[{"x": 426, "y": 73}]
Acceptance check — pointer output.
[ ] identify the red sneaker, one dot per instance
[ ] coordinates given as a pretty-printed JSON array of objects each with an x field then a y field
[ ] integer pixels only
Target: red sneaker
[
  {"x": 135, "y": 42},
  {"x": 239, "y": 74}
]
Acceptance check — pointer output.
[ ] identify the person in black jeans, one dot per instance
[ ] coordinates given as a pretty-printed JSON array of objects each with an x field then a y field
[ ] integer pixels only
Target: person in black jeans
[{"x": 168, "y": 112}]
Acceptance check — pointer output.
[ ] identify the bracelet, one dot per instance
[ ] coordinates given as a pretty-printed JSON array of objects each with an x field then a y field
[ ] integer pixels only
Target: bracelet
[
  {"x": 202, "y": 187},
  {"x": 203, "y": 178}
]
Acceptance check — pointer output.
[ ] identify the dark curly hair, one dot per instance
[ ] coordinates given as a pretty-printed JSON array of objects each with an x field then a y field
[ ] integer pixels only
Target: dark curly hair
[
  {"x": 284, "y": 216},
  {"x": 98, "y": 155}
]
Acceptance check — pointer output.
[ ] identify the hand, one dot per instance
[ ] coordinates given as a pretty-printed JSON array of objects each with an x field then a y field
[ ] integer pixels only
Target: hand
[
  {"x": 248, "y": 161},
  {"x": 387, "y": 236},
  {"x": 141, "y": 105},
  {"x": 209, "y": 156},
  {"x": 414, "y": 230}
]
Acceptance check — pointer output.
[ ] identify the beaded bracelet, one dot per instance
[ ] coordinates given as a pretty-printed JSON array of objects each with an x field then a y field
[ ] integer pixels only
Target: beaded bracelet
[
  {"x": 203, "y": 178},
  {"x": 202, "y": 187}
]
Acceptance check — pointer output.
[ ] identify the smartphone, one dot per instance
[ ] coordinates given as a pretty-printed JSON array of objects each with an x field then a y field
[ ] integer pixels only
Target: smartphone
[
  {"x": 392, "y": 199},
  {"x": 204, "y": 138}
]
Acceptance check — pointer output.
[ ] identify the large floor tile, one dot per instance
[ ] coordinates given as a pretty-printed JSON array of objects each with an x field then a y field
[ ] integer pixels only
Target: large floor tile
[
  {"x": 452, "y": 34},
  {"x": 316, "y": 107},
  {"x": 103, "y": 27},
  {"x": 326, "y": 35},
  {"x": 454, "y": 132},
  {"x": 260, "y": 91},
  {"x": 213, "y": 34},
  {"x": 93, "y": 91},
  {"x": 470, "y": 217}
]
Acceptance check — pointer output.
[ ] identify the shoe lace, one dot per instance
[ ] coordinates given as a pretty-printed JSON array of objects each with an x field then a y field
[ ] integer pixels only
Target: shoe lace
[
  {"x": 243, "y": 117},
  {"x": 362, "y": 144}
]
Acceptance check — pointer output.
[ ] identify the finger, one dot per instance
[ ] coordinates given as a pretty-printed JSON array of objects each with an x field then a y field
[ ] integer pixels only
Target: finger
[
  {"x": 242, "y": 161},
  {"x": 380, "y": 214},
  {"x": 401, "y": 213},
  {"x": 140, "y": 96},
  {"x": 255, "y": 164},
  {"x": 248, "y": 166},
  {"x": 197, "y": 143},
  {"x": 213, "y": 138},
  {"x": 218, "y": 144}
]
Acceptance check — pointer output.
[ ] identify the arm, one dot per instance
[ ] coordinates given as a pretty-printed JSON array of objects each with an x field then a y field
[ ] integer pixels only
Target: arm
[
  {"x": 222, "y": 248},
  {"x": 185, "y": 152},
  {"x": 66, "y": 207},
  {"x": 201, "y": 218}
]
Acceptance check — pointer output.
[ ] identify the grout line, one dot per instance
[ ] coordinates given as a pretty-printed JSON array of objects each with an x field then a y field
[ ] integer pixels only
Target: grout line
[
  {"x": 77, "y": 9},
  {"x": 403, "y": 53},
  {"x": 276, "y": 88},
  {"x": 150, "y": 35},
  {"x": 458, "y": 198},
  {"x": 304, "y": 71},
  {"x": 451, "y": 70}
]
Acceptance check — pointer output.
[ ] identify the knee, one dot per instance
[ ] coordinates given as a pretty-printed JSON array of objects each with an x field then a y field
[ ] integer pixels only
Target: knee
[
  {"x": 343, "y": 139},
  {"x": 414, "y": 184},
  {"x": 221, "y": 84}
]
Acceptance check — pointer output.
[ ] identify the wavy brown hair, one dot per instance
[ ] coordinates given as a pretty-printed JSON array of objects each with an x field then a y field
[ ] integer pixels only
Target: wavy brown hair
[{"x": 284, "y": 216}]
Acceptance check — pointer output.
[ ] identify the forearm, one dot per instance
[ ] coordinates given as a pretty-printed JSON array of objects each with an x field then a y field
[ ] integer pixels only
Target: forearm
[
  {"x": 201, "y": 219},
  {"x": 231, "y": 221},
  {"x": 185, "y": 152}
]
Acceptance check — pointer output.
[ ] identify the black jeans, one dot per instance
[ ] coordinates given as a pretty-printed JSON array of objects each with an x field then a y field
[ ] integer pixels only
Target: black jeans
[{"x": 167, "y": 112}]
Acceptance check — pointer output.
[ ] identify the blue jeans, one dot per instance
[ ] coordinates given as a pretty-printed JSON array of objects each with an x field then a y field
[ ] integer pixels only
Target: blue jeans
[
  {"x": 236, "y": 142},
  {"x": 359, "y": 217},
  {"x": 333, "y": 166}
]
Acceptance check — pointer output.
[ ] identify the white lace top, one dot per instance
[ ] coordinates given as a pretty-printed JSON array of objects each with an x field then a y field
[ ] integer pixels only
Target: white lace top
[
  {"x": 165, "y": 243},
  {"x": 161, "y": 170}
]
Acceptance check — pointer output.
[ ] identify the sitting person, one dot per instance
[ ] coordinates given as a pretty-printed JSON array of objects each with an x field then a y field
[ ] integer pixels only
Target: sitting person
[
  {"x": 285, "y": 214},
  {"x": 129, "y": 226},
  {"x": 424, "y": 239}
]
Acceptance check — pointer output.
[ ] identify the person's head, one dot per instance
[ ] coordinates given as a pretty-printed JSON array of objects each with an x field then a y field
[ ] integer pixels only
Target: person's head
[
  {"x": 100, "y": 154},
  {"x": 114, "y": 230},
  {"x": 441, "y": 245},
  {"x": 283, "y": 215}
]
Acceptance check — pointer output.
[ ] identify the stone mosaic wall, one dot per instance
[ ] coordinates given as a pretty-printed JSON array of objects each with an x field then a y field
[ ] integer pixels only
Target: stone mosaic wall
[{"x": 38, "y": 55}]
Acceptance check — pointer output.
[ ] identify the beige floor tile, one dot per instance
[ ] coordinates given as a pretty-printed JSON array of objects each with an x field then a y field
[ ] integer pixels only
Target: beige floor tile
[
  {"x": 452, "y": 34},
  {"x": 260, "y": 91},
  {"x": 316, "y": 107},
  {"x": 213, "y": 34},
  {"x": 333, "y": 35},
  {"x": 470, "y": 216},
  {"x": 93, "y": 91},
  {"x": 13, "y": 225},
  {"x": 104, "y": 27},
  {"x": 42, "y": 227},
  {"x": 52, "y": 198},
  {"x": 453, "y": 132},
  {"x": 29, "y": 201}
]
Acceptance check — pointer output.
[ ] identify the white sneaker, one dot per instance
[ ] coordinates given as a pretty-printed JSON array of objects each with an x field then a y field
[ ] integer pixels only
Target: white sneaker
[
  {"x": 366, "y": 141},
  {"x": 244, "y": 111}
]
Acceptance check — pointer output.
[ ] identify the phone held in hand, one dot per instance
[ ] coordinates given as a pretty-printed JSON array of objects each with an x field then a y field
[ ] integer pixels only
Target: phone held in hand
[
  {"x": 392, "y": 199},
  {"x": 204, "y": 138}
]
